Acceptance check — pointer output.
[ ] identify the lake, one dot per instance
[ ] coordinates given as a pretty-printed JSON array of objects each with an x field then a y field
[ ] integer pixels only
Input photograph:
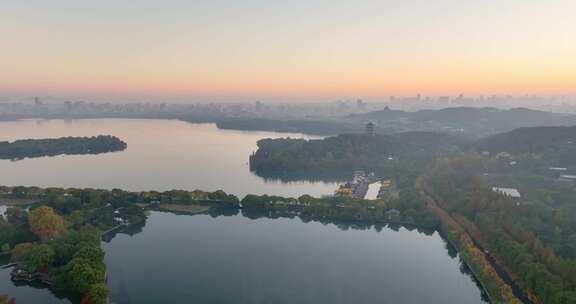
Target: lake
[
  {"x": 230, "y": 259},
  {"x": 236, "y": 259},
  {"x": 161, "y": 155}
]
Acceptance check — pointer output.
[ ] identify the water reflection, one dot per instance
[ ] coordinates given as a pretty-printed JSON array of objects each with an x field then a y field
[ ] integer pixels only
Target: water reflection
[
  {"x": 308, "y": 176},
  {"x": 191, "y": 256},
  {"x": 256, "y": 215},
  {"x": 31, "y": 292},
  {"x": 231, "y": 256},
  {"x": 161, "y": 155}
]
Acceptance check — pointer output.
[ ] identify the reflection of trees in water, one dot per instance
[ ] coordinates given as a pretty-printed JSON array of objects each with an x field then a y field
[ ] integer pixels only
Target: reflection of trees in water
[
  {"x": 59, "y": 294},
  {"x": 129, "y": 230},
  {"x": 303, "y": 176},
  {"x": 116, "y": 270},
  {"x": 117, "y": 281},
  {"x": 4, "y": 259},
  {"x": 452, "y": 252},
  {"x": 269, "y": 214},
  {"x": 465, "y": 270},
  {"x": 216, "y": 212},
  {"x": 340, "y": 224}
]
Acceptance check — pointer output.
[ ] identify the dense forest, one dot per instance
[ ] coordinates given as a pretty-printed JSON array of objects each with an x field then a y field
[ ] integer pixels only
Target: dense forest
[
  {"x": 553, "y": 145},
  {"x": 538, "y": 148},
  {"x": 535, "y": 240},
  {"x": 383, "y": 154},
  {"x": 29, "y": 148}
]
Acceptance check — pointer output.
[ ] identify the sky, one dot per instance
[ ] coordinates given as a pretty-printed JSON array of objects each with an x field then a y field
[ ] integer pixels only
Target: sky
[{"x": 295, "y": 50}]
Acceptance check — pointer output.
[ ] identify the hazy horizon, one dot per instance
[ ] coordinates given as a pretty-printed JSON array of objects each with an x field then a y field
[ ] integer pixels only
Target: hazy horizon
[
  {"x": 297, "y": 51},
  {"x": 390, "y": 100}
]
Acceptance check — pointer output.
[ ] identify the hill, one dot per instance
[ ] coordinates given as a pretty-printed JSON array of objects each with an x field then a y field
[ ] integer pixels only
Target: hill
[
  {"x": 554, "y": 146},
  {"x": 530, "y": 140},
  {"x": 379, "y": 153},
  {"x": 475, "y": 122}
]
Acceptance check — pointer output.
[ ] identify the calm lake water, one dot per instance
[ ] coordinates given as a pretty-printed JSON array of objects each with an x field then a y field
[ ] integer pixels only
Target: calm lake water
[
  {"x": 236, "y": 259},
  {"x": 230, "y": 259},
  {"x": 161, "y": 155}
]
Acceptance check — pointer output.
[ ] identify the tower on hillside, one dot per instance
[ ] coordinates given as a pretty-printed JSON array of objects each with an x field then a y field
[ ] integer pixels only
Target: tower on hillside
[{"x": 370, "y": 129}]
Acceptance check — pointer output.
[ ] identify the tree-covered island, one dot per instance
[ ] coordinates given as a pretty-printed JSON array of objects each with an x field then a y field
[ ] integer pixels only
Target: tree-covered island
[{"x": 30, "y": 148}]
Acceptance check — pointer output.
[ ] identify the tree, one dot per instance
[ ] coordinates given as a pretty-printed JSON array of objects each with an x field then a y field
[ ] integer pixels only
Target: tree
[
  {"x": 84, "y": 273},
  {"x": 16, "y": 216},
  {"x": 4, "y": 299},
  {"x": 98, "y": 293},
  {"x": 92, "y": 254},
  {"x": 5, "y": 248},
  {"x": 67, "y": 245},
  {"x": 45, "y": 223},
  {"x": 76, "y": 218},
  {"x": 40, "y": 257},
  {"x": 6, "y": 234},
  {"x": 21, "y": 251}
]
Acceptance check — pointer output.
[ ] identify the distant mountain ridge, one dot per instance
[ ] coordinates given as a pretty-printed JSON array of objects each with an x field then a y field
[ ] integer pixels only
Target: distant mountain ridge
[{"x": 477, "y": 121}]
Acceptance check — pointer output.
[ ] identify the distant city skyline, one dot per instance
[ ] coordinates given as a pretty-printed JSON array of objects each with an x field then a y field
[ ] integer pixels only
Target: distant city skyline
[{"x": 289, "y": 51}]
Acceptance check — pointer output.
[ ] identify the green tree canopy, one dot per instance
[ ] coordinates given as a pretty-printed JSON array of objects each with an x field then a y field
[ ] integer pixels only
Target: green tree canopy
[
  {"x": 98, "y": 293},
  {"x": 40, "y": 257},
  {"x": 84, "y": 273}
]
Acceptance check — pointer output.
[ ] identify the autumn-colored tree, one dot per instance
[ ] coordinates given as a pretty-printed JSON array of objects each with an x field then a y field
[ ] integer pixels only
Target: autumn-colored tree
[
  {"x": 4, "y": 299},
  {"x": 46, "y": 223}
]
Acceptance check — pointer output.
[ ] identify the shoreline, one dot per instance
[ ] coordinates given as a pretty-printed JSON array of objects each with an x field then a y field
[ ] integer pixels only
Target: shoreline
[{"x": 450, "y": 225}]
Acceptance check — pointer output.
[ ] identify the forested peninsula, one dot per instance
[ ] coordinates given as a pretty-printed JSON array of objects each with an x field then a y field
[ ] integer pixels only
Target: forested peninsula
[
  {"x": 31, "y": 148},
  {"x": 385, "y": 155},
  {"x": 541, "y": 147}
]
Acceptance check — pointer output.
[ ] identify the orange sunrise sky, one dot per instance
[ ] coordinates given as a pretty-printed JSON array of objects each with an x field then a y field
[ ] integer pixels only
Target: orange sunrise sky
[{"x": 296, "y": 50}]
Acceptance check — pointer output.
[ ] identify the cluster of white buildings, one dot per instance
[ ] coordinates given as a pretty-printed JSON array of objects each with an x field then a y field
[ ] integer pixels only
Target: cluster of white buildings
[{"x": 510, "y": 192}]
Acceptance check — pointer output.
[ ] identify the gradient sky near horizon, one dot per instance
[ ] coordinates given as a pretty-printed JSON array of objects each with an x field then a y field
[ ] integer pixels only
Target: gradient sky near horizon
[{"x": 294, "y": 50}]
